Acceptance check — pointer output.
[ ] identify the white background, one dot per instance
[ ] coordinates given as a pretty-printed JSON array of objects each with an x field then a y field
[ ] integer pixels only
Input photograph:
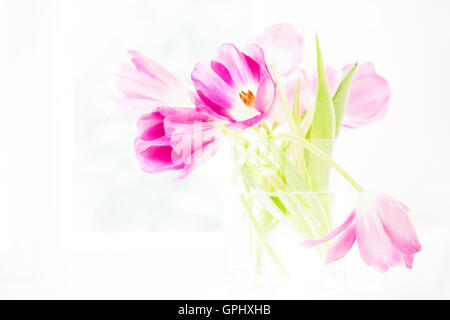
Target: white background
[{"x": 79, "y": 220}]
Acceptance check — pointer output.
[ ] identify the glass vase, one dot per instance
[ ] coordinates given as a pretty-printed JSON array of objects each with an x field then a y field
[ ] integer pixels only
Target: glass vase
[{"x": 288, "y": 194}]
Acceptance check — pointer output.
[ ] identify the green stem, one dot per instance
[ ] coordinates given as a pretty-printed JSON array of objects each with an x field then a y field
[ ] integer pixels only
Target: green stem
[
  {"x": 284, "y": 98},
  {"x": 325, "y": 157},
  {"x": 294, "y": 202},
  {"x": 277, "y": 184},
  {"x": 307, "y": 121},
  {"x": 261, "y": 236},
  {"x": 299, "y": 161}
]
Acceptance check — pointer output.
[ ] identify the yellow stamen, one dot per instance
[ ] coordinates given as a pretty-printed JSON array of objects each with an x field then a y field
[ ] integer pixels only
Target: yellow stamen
[{"x": 248, "y": 98}]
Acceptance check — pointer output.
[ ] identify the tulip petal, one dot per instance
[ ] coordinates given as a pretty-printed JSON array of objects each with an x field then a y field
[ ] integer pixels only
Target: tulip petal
[
  {"x": 207, "y": 151},
  {"x": 257, "y": 55},
  {"x": 241, "y": 125},
  {"x": 342, "y": 245},
  {"x": 155, "y": 159},
  {"x": 368, "y": 97},
  {"x": 334, "y": 77},
  {"x": 277, "y": 112},
  {"x": 397, "y": 224},
  {"x": 374, "y": 245},
  {"x": 265, "y": 95},
  {"x": 363, "y": 69},
  {"x": 223, "y": 73},
  {"x": 244, "y": 70},
  {"x": 216, "y": 93},
  {"x": 332, "y": 234},
  {"x": 282, "y": 46},
  {"x": 193, "y": 136},
  {"x": 144, "y": 79},
  {"x": 370, "y": 252},
  {"x": 408, "y": 260},
  {"x": 152, "y": 69},
  {"x": 150, "y": 126}
]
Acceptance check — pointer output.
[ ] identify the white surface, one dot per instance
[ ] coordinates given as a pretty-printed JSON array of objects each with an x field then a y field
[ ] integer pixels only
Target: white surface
[{"x": 77, "y": 217}]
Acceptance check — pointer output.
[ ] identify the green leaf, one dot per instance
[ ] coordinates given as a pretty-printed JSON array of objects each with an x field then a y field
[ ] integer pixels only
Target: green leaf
[
  {"x": 293, "y": 179},
  {"x": 324, "y": 121},
  {"x": 322, "y": 127},
  {"x": 341, "y": 97}
]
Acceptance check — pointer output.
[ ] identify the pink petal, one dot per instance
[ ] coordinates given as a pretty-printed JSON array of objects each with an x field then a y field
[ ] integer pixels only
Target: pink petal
[
  {"x": 283, "y": 46},
  {"x": 241, "y": 125},
  {"x": 308, "y": 86},
  {"x": 156, "y": 159},
  {"x": 153, "y": 69},
  {"x": 223, "y": 73},
  {"x": 408, "y": 260},
  {"x": 332, "y": 234},
  {"x": 334, "y": 77},
  {"x": 241, "y": 69},
  {"x": 207, "y": 151},
  {"x": 141, "y": 145},
  {"x": 257, "y": 54},
  {"x": 150, "y": 126},
  {"x": 398, "y": 226},
  {"x": 216, "y": 93},
  {"x": 143, "y": 79},
  {"x": 193, "y": 136},
  {"x": 368, "y": 98},
  {"x": 183, "y": 115},
  {"x": 265, "y": 95},
  {"x": 363, "y": 69},
  {"x": 375, "y": 247},
  {"x": 150, "y": 132},
  {"x": 277, "y": 111},
  {"x": 342, "y": 245}
]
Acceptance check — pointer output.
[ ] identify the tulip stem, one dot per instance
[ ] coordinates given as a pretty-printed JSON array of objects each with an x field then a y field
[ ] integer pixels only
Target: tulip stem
[
  {"x": 325, "y": 157},
  {"x": 284, "y": 98},
  {"x": 299, "y": 161},
  {"x": 259, "y": 232}
]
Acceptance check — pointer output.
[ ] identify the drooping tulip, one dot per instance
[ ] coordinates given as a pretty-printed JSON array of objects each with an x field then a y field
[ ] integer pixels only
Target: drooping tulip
[
  {"x": 235, "y": 87},
  {"x": 172, "y": 138},
  {"x": 381, "y": 227}
]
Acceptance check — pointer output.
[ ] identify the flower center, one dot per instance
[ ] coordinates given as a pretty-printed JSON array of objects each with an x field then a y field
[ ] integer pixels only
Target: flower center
[{"x": 248, "y": 98}]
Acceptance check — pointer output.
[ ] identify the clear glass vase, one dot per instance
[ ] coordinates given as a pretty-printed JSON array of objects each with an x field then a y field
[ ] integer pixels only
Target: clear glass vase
[{"x": 288, "y": 194}]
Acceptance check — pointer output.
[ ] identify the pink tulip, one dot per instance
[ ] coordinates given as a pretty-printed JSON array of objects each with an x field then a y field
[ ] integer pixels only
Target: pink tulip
[
  {"x": 368, "y": 98},
  {"x": 145, "y": 85},
  {"x": 381, "y": 226},
  {"x": 283, "y": 46},
  {"x": 172, "y": 138},
  {"x": 235, "y": 87},
  {"x": 308, "y": 91},
  {"x": 367, "y": 101}
]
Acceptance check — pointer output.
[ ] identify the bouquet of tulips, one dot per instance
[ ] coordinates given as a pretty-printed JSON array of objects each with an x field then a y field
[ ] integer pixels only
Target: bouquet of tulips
[{"x": 282, "y": 122}]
